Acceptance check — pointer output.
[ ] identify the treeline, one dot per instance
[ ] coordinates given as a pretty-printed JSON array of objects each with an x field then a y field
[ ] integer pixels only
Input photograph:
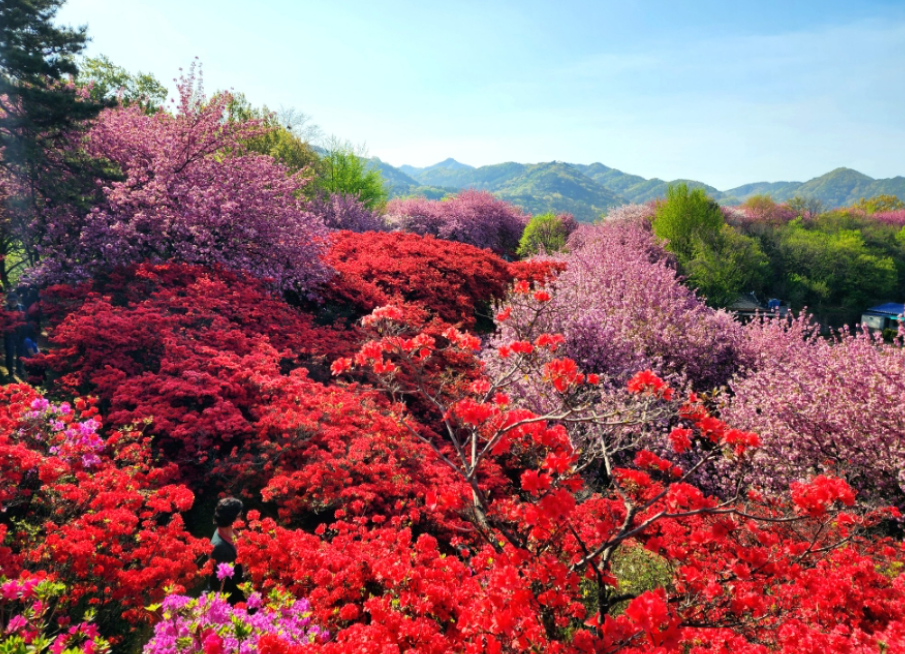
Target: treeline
[{"x": 835, "y": 262}]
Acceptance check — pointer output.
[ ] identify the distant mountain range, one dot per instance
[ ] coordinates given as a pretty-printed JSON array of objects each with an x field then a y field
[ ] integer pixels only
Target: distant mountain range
[{"x": 586, "y": 191}]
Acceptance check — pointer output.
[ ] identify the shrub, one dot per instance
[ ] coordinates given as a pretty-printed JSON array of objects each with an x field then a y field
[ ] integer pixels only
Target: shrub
[{"x": 452, "y": 281}]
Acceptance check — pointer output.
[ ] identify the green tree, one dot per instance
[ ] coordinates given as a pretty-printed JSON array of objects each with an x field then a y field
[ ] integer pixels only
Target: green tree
[
  {"x": 726, "y": 266},
  {"x": 879, "y": 203},
  {"x": 40, "y": 115},
  {"x": 106, "y": 81},
  {"x": 289, "y": 138},
  {"x": 806, "y": 207},
  {"x": 686, "y": 219},
  {"x": 344, "y": 169},
  {"x": 834, "y": 270},
  {"x": 545, "y": 231}
]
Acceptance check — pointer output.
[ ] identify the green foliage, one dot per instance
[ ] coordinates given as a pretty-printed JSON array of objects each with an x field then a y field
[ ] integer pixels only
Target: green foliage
[
  {"x": 345, "y": 170},
  {"x": 688, "y": 221},
  {"x": 883, "y": 202},
  {"x": 287, "y": 141},
  {"x": 638, "y": 571},
  {"x": 107, "y": 81},
  {"x": 546, "y": 232},
  {"x": 731, "y": 263},
  {"x": 834, "y": 268}
]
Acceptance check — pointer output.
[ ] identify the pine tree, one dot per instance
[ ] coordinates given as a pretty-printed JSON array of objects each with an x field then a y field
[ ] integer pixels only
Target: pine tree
[{"x": 41, "y": 111}]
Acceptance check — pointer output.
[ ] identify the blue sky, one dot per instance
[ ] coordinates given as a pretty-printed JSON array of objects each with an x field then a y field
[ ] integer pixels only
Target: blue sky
[{"x": 722, "y": 92}]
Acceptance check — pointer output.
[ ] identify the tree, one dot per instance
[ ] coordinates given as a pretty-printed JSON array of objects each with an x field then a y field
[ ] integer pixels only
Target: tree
[
  {"x": 106, "y": 81},
  {"x": 806, "y": 207},
  {"x": 346, "y": 212},
  {"x": 622, "y": 308},
  {"x": 825, "y": 405},
  {"x": 344, "y": 169},
  {"x": 729, "y": 265},
  {"x": 40, "y": 115},
  {"x": 473, "y": 217},
  {"x": 547, "y": 232},
  {"x": 879, "y": 203},
  {"x": 685, "y": 219},
  {"x": 190, "y": 193},
  {"x": 288, "y": 137}
]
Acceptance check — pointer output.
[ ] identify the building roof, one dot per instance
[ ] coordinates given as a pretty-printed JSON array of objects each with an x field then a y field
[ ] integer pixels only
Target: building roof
[
  {"x": 746, "y": 303},
  {"x": 889, "y": 309}
]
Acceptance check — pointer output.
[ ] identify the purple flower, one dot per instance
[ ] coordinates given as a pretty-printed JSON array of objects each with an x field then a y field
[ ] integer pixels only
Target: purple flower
[{"x": 224, "y": 571}]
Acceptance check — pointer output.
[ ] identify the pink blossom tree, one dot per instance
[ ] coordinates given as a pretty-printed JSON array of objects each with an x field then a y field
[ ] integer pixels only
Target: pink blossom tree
[
  {"x": 473, "y": 217},
  {"x": 189, "y": 192},
  {"x": 823, "y": 405},
  {"x": 621, "y": 308}
]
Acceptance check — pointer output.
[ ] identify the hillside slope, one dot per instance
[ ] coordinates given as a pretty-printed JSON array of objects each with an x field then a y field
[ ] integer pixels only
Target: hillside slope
[{"x": 587, "y": 190}]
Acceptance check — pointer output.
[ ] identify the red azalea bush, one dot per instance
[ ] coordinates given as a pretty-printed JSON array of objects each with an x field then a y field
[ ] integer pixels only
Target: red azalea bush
[
  {"x": 184, "y": 346},
  {"x": 452, "y": 281},
  {"x": 94, "y": 514},
  {"x": 541, "y": 554}
]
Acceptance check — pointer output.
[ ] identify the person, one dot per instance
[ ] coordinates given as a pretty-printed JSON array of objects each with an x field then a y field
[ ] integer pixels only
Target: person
[
  {"x": 13, "y": 335},
  {"x": 226, "y": 513}
]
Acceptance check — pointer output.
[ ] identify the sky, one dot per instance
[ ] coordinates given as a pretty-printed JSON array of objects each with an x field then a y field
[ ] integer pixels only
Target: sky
[{"x": 722, "y": 92}]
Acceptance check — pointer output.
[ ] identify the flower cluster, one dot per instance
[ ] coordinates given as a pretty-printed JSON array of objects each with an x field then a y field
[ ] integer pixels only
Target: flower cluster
[
  {"x": 209, "y": 625},
  {"x": 30, "y": 621}
]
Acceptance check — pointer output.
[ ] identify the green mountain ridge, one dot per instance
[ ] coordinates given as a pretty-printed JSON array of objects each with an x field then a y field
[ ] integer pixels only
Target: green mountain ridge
[{"x": 588, "y": 190}]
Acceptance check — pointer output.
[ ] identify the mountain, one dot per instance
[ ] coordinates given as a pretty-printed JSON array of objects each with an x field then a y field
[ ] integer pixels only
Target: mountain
[
  {"x": 558, "y": 187},
  {"x": 447, "y": 164},
  {"x": 588, "y": 190},
  {"x": 400, "y": 184}
]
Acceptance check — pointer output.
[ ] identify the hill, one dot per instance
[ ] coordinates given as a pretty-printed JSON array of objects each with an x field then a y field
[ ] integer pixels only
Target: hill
[
  {"x": 400, "y": 184},
  {"x": 587, "y": 190},
  {"x": 560, "y": 188}
]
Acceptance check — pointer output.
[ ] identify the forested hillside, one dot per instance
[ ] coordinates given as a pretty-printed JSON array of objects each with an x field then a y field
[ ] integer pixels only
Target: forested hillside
[{"x": 586, "y": 191}]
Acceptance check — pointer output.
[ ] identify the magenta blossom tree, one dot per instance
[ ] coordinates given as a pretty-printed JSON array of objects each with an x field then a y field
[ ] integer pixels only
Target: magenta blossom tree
[
  {"x": 189, "y": 192},
  {"x": 343, "y": 211},
  {"x": 622, "y": 308},
  {"x": 823, "y": 405},
  {"x": 473, "y": 217}
]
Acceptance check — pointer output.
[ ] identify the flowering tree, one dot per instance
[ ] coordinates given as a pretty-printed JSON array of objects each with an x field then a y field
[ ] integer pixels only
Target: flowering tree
[
  {"x": 190, "y": 193},
  {"x": 823, "y": 406},
  {"x": 341, "y": 211},
  {"x": 621, "y": 308},
  {"x": 472, "y": 217}
]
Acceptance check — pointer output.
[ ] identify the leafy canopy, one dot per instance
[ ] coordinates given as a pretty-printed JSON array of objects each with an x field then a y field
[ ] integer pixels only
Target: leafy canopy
[{"x": 344, "y": 170}]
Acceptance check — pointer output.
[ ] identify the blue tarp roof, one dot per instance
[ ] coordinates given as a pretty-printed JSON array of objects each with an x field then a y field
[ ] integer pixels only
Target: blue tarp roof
[{"x": 890, "y": 308}]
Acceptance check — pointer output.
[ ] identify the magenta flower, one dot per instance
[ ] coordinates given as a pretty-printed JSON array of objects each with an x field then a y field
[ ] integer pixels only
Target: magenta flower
[
  {"x": 16, "y": 623},
  {"x": 225, "y": 571}
]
